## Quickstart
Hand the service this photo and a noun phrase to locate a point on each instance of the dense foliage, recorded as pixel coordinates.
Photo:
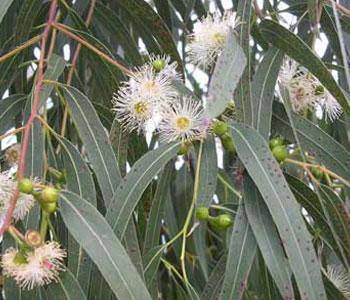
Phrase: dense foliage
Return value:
(175, 149)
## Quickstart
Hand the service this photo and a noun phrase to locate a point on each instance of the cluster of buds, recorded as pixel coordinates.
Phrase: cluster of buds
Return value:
(220, 222)
(220, 128)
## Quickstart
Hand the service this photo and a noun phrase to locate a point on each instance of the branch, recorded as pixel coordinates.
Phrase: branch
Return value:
(37, 90)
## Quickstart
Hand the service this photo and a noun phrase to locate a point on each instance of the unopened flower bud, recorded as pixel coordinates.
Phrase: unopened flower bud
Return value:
(219, 127)
(227, 143)
(280, 153)
(202, 213)
(158, 65)
(49, 207)
(49, 195)
(25, 186)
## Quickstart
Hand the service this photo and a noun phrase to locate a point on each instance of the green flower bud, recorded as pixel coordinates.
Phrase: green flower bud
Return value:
(49, 195)
(317, 172)
(277, 141)
(221, 222)
(202, 213)
(219, 127)
(280, 153)
(227, 143)
(25, 186)
(49, 207)
(158, 65)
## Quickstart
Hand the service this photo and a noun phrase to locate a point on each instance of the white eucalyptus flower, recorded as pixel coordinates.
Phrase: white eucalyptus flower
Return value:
(24, 202)
(208, 38)
(183, 121)
(143, 96)
(340, 279)
(37, 267)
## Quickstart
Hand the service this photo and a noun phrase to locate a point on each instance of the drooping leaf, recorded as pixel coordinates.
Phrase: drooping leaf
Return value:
(228, 70)
(91, 230)
(240, 257)
(268, 177)
(134, 184)
(267, 238)
(95, 140)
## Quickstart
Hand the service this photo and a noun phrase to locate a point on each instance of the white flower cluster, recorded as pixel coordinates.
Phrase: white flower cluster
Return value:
(150, 94)
(306, 91)
(37, 267)
(24, 202)
(209, 37)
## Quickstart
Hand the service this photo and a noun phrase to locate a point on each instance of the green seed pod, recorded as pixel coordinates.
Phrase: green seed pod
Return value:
(25, 186)
(227, 143)
(317, 172)
(280, 153)
(277, 141)
(158, 65)
(219, 127)
(49, 195)
(49, 207)
(202, 213)
(224, 221)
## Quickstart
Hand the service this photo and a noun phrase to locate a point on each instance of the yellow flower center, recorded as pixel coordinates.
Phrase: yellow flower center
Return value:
(219, 38)
(141, 108)
(183, 123)
(151, 86)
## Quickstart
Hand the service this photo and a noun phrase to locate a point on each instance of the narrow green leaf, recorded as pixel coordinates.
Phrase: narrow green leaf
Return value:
(294, 46)
(263, 88)
(67, 288)
(91, 230)
(152, 235)
(208, 173)
(267, 238)
(4, 6)
(95, 140)
(228, 70)
(268, 177)
(243, 94)
(211, 290)
(134, 184)
(10, 107)
(241, 253)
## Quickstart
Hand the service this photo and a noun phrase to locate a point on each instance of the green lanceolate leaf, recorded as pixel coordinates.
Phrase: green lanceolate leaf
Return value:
(228, 70)
(78, 180)
(240, 257)
(134, 184)
(211, 290)
(94, 234)
(10, 107)
(67, 288)
(152, 235)
(255, 154)
(267, 238)
(263, 88)
(243, 94)
(292, 45)
(4, 6)
(95, 141)
(326, 150)
(208, 173)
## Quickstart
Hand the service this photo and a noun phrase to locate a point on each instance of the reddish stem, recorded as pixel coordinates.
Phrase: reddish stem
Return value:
(37, 90)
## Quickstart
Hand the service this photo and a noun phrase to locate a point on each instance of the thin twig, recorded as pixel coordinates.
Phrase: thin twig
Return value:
(25, 45)
(63, 29)
(37, 90)
(12, 132)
